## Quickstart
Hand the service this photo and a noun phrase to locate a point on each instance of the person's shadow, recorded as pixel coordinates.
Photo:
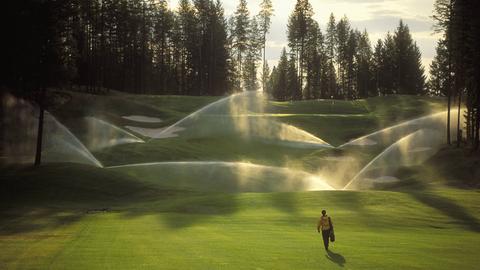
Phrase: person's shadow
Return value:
(336, 258)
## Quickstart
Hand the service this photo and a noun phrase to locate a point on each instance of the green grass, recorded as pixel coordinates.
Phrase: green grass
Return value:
(67, 216)
(54, 225)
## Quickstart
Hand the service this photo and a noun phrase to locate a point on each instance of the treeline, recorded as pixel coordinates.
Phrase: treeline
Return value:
(138, 46)
(143, 46)
(341, 63)
(455, 70)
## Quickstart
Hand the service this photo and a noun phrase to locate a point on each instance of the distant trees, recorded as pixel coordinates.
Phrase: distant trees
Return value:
(341, 62)
(143, 46)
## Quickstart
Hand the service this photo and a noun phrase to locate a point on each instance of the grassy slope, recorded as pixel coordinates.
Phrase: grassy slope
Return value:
(341, 121)
(336, 122)
(113, 107)
(149, 227)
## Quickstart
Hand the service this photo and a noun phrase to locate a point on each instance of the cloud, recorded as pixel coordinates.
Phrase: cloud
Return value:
(384, 23)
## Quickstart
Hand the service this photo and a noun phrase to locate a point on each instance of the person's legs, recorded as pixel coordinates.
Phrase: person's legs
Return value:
(325, 236)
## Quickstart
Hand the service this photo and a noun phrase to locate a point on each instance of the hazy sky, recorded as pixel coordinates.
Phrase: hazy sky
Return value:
(377, 16)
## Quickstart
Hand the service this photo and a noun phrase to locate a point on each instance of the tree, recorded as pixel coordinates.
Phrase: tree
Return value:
(280, 78)
(378, 67)
(313, 65)
(343, 31)
(299, 23)
(187, 45)
(388, 72)
(294, 89)
(266, 78)
(351, 65)
(264, 20)
(439, 72)
(240, 33)
(330, 49)
(364, 66)
(409, 78)
(442, 17)
(253, 54)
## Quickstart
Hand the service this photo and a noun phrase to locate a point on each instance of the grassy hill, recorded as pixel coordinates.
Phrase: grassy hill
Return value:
(71, 216)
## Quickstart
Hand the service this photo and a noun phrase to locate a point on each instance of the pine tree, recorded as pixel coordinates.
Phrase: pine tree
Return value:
(389, 78)
(162, 36)
(294, 89)
(364, 66)
(378, 68)
(313, 48)
(280, 78)
(264, 21)
(409, 78)
(351, 65)
(443, 10)
(266, 78)
(343, 31)
(270, 83)
(240, 33)
(438, 82)
(298, 26)
(253, 54)
(330, 49)
(187, 31)
(219, 56)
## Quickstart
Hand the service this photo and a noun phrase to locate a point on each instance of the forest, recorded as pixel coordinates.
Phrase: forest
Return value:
(146, 47)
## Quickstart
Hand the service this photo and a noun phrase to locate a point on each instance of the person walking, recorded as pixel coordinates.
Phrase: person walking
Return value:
(325, 225)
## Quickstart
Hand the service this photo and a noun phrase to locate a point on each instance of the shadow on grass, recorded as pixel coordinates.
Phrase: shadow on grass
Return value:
(336, 258)
(448, 208)
(51, 196)
(423, 194)
(286, 202)
(54, 195)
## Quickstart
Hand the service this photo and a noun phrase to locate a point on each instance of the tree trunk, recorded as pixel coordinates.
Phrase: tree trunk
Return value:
(477, 122)
(263, 70)
(449, 104)
(459, 129)
(38, 153)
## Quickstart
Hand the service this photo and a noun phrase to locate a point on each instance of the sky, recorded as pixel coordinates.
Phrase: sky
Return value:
(377, 16)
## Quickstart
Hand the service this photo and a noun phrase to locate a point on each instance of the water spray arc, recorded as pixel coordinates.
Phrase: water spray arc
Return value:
(192, 115)
(102, 134)
(60, 145)
(242, 115)
(21, 127)
(412, 149)
(226, 176)
(393, 133)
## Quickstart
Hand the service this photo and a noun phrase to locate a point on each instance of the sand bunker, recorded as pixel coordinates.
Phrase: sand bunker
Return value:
(156, 133)
(143, 119)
